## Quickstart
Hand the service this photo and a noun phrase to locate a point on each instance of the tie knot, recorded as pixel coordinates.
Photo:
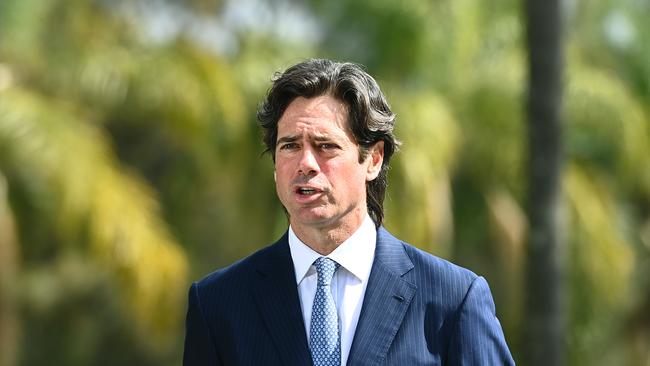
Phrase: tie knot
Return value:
(325, 269)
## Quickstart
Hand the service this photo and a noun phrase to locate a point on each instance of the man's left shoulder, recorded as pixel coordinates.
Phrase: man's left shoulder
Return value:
(454, 304)
(434, 275)
(425, 261)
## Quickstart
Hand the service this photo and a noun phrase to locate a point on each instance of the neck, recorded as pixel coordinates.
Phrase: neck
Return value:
(324, 240)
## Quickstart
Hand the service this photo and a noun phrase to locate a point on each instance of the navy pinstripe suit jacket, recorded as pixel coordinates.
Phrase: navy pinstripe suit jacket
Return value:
(418, 310)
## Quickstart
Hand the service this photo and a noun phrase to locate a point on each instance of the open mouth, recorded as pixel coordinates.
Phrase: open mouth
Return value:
(307, 191)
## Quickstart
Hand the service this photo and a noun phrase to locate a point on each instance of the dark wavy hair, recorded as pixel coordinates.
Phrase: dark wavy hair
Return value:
(370, 117)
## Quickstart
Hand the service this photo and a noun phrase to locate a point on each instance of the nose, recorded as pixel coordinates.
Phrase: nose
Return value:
(308, 164)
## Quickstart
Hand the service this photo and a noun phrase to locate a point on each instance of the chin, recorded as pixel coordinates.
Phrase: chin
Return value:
(311, 219)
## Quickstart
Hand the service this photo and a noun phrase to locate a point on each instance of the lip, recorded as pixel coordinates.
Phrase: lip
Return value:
(301, 198)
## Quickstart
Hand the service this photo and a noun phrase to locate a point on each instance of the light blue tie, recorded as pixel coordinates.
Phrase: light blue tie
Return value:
(324, 337)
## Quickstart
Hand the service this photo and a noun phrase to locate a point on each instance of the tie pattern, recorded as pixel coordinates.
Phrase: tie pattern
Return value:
(324, 337)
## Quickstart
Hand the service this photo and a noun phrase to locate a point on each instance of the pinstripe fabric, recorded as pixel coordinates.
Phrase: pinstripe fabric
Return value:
(418, 310)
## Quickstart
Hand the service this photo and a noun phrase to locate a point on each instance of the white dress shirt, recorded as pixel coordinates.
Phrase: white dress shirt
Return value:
(355, 255)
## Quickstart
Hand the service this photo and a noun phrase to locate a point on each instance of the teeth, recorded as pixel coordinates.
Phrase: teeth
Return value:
(307, 191)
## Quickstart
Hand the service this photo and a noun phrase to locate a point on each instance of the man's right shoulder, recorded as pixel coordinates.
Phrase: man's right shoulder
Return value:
(240, 271)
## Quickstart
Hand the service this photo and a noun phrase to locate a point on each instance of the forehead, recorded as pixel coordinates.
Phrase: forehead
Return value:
(318, 115)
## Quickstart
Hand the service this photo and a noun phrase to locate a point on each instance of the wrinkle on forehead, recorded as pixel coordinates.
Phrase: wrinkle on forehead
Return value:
(326, 101)
(310, 116)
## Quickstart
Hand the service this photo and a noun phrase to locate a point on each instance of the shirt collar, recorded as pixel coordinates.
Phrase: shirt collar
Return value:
(355, 254)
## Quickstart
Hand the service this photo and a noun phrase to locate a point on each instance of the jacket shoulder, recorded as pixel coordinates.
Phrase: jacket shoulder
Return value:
(429, 262)
(438, 279)
(400, 254)
(239, 273)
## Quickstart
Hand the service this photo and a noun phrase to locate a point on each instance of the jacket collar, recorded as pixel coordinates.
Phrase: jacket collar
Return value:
(386, 300)
(276, 296)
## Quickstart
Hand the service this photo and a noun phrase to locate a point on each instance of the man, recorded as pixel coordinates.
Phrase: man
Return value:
(337, 288)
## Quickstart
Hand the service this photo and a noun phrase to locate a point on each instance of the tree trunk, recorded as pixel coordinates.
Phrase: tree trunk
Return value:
(8, 277)
(545, 306)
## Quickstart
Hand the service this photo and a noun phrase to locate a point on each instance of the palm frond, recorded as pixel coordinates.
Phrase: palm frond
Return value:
(95, 203)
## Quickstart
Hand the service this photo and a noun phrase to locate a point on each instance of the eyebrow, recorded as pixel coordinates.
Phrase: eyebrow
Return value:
(290, 138)
(293, 138)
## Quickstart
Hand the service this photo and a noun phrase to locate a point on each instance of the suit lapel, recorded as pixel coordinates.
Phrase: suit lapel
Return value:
(276, 296)
(387, 298)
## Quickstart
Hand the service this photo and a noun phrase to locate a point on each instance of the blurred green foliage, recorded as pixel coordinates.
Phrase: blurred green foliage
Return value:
(130, 159)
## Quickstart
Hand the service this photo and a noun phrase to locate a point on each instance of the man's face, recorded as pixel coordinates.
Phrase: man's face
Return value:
(319, 178)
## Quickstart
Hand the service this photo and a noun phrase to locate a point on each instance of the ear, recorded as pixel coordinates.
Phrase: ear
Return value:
(275, 177)
(374, 160)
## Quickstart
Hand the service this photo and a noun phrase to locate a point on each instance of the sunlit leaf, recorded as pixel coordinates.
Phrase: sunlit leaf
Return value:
(86, 188)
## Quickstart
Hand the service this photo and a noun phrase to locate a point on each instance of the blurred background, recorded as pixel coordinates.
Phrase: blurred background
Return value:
(130, 160)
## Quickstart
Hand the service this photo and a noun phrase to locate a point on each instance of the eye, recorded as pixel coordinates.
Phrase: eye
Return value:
(328, 146)
(288, 146)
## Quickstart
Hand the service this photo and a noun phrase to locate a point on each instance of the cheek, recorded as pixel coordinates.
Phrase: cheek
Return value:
(281, 168)
(280, 177)
(347, 176)
(281, 187)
